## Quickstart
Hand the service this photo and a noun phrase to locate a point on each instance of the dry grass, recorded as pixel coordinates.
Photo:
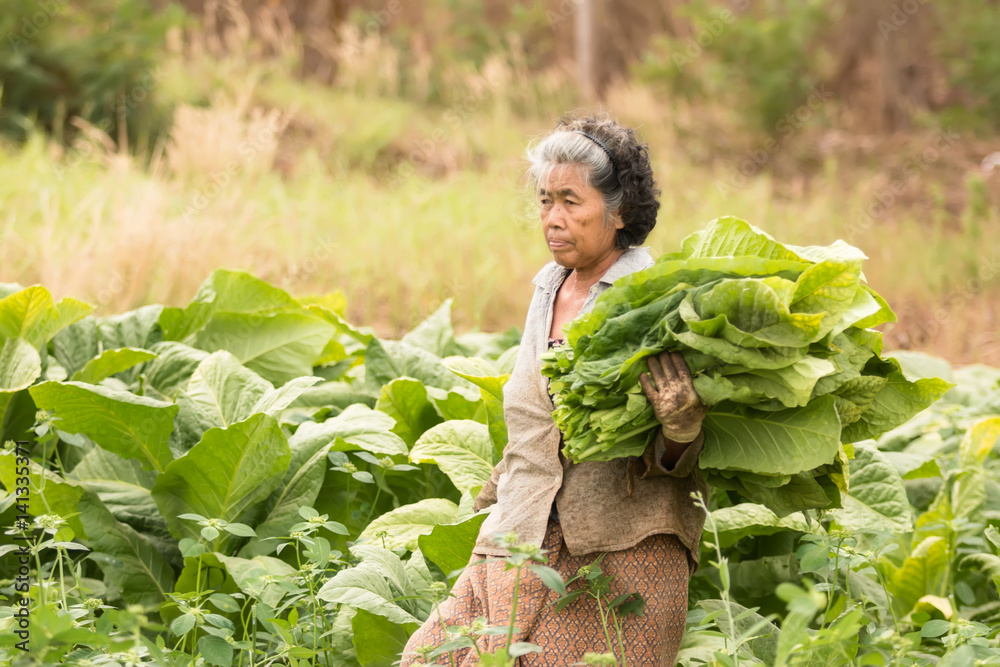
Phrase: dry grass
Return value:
(402, 205)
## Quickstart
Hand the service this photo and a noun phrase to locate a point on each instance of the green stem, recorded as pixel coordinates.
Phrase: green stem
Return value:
(833, 588)
(62, 578)
(604, 625)
(347, 505)
(513, 607)
(621, 640)
(378, 491)
(888, 597)
(38, 569)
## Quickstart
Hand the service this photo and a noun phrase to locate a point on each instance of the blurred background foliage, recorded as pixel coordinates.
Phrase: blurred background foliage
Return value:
(897, 60)
(144, 143)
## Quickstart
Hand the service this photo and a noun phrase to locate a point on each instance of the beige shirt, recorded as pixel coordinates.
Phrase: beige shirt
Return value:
(591, 498)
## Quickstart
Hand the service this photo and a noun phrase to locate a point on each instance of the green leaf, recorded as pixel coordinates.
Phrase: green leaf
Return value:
(458, 403)
(405, 400)
(110, 362)
(182, 625)
(300, 488)
(386, 360)
(913, 466)
(449, 546)
(240, 529)
(129, 560)
(125, 489)
(31, 314)
(934, 628)
(462, 449)
(751, 312)
(134, 427)
(225, 475)
(551, 578)
(979, 441)
(221, 392)
(134, 328)
(435, 334)
(729, 236)
(356, 428)
(261, 577)
(279, 346)
(771, 443)
(216, 651)
(173, 367)
(77, 344)
(224, 291)
(20, 366)
(897, 401)
(746, 519)
(404, 525)
(275, 400)
(924, 572)
(792, 385)
(827, 288)
(881, 316)
(48, 493)
(365, 587)
(764, 646)
(877, 499)
(490, 381)
(378, 641)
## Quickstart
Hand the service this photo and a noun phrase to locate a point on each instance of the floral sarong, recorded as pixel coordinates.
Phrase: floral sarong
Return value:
(656, 568)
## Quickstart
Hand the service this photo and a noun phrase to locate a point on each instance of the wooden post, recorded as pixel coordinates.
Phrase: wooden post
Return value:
(584, 42)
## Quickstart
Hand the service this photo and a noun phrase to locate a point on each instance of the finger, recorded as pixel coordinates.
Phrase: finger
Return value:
(656, 372)
(667, 362)
(683, 372)
(647, 385)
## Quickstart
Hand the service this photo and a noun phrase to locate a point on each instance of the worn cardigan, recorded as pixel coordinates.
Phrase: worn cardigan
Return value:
(594, 508)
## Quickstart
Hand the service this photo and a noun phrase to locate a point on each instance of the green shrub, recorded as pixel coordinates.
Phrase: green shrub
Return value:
(762, 59)
(969, 48)
(96, 60)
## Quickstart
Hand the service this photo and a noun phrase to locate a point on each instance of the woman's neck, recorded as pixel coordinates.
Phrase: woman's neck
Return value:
(581, 280)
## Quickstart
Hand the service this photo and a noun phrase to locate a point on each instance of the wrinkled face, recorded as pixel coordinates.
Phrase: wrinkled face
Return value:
(573, 219)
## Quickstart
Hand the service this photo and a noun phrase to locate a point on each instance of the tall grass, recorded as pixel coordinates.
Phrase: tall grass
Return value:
(401, 204)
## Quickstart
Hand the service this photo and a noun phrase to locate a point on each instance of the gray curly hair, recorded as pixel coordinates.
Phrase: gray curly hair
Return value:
(626, 185)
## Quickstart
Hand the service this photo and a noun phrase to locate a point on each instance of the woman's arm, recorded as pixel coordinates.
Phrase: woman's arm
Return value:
(666, 458)
(488, 494)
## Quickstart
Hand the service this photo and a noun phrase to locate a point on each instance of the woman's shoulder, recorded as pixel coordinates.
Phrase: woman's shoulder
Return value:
(634, 259)
(550, 275)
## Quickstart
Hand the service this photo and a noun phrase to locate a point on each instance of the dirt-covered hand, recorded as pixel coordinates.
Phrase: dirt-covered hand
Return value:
(671, 393)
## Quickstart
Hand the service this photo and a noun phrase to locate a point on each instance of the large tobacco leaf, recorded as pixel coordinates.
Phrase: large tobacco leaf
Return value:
(224, 476)
(134, 427)
(775, 337)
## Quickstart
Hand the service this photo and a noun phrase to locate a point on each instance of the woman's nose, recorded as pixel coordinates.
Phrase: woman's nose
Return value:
(554, 217)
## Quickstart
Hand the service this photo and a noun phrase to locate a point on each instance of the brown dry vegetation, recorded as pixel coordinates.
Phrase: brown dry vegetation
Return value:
(401, 203)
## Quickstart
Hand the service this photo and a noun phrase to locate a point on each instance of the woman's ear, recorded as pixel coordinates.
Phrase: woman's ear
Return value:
(618, 219)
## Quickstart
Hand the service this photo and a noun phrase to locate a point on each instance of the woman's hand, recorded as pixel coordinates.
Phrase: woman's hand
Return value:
(671, 393)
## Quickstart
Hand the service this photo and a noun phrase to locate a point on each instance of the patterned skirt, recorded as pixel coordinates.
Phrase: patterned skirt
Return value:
(656, 568)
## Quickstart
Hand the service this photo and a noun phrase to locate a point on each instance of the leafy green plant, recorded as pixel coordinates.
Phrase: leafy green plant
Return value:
(777, 338)
(196, 499)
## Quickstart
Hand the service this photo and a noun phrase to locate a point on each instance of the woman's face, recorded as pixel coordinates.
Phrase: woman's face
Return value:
(573, 219)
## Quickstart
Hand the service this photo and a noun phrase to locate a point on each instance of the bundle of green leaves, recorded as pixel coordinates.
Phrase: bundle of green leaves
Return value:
(779, 342)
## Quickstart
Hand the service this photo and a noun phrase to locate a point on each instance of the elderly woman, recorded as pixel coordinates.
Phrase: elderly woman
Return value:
(598, 202)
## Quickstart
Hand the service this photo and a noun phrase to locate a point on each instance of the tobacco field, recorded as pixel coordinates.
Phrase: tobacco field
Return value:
(254, 480)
